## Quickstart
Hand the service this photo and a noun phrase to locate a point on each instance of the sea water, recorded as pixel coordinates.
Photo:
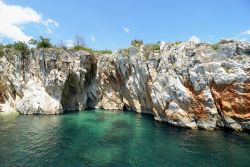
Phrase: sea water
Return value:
(115, 138)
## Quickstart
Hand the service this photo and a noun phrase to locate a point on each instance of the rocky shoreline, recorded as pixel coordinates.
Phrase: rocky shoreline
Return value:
(187, 84)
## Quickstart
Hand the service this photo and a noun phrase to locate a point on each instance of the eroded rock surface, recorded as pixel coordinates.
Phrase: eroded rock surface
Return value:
(48, 81)
(190, 84)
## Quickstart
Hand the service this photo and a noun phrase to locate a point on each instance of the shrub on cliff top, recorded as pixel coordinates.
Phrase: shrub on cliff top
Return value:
(62, 45)
(215, 46)
(42, 42)
(155, 47)
(21, 47)
(78, 47)
(178, 42)
(79, 41)
(106, 51)
(152, 47)
(222, 41)
(225, 41)
(1, 50)
(16, 46)
(136, 43)
(91, 51)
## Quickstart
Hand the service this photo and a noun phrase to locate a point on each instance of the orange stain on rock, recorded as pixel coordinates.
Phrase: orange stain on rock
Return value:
(197, 104)
(233, 99)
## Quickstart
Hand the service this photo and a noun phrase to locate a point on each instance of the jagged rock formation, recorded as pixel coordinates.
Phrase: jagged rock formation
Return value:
(189, 84)
(48, 81)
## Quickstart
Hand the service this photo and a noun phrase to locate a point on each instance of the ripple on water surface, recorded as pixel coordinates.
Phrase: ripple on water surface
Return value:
(104, 138)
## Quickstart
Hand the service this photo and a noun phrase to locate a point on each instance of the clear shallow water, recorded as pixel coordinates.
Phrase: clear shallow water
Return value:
(104, 138)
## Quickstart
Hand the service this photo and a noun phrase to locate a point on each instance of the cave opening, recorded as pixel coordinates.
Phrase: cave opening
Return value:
(79, 90)
(70, 99)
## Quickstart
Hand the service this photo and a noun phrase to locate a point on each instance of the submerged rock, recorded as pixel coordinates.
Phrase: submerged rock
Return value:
(189, 84)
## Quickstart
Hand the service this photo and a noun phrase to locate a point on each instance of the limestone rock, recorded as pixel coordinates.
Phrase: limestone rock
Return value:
(186, 84)
(37, 101)
(48, 81)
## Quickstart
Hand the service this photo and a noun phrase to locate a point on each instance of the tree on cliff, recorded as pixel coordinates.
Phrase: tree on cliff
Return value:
(21, 47)
(42, 42)
(79, 41)
(136, 43)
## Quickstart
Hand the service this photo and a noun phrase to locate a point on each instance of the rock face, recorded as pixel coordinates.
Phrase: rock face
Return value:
(48, 81)
(189, 84)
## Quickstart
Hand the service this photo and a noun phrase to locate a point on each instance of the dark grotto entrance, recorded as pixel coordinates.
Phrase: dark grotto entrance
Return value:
(79, 90)
(70, 93)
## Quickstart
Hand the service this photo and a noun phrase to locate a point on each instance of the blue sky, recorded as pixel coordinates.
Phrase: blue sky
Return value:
(113, 24)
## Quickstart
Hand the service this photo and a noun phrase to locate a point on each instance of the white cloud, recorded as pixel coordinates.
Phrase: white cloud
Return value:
(194, 39)
(245, 32)
(93, 38)
(125, 29)
(13, 17)
(50, 22)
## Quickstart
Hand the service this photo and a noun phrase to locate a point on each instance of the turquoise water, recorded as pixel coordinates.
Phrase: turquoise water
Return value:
(104, 138)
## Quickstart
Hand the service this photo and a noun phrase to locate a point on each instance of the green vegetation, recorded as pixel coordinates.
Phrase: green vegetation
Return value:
(228, 69)
(155, 47)
(1, 50)
(42, 42)
(136, 43)
(21, 47)
(78, 47)
(62, 45)
(79, 41)
(178, 42)
(225, 41)
(151, 47)
(79, 44)
(91, 51)
(106, 51)
(146, 55)
(126, 51)
(215, 46)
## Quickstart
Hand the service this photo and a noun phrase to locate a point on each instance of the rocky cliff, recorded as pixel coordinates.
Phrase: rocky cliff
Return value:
(187, 84)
